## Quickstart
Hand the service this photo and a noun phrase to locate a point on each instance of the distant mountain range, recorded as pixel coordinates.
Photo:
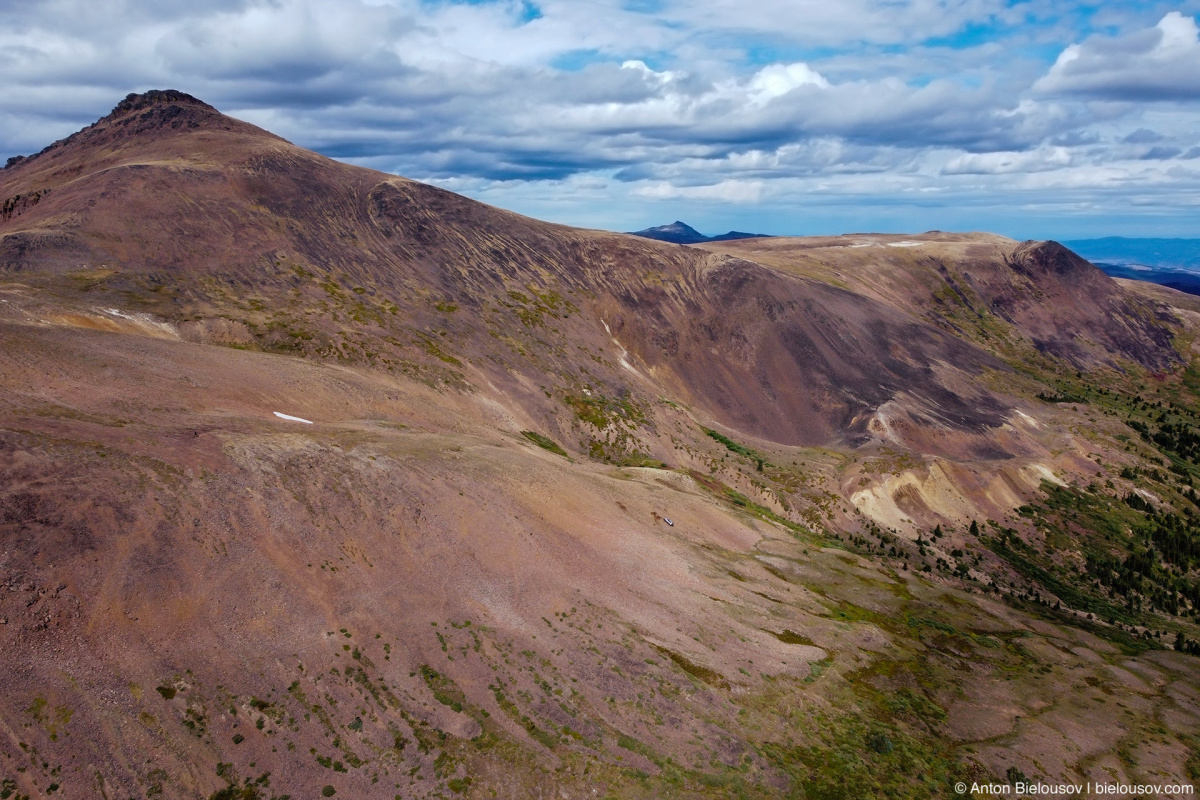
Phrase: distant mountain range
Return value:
(682, 233)
(1174, 263)
(1162, 253)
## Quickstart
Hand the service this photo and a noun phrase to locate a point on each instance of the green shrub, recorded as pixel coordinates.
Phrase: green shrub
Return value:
(880, 743)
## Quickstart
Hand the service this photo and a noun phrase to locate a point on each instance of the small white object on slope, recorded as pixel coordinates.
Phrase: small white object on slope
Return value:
(293, 419)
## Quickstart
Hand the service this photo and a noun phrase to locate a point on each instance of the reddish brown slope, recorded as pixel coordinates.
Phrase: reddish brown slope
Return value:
(1068, 307)
(989, 289)
(198, 593)
(196, 217)
(404, 598)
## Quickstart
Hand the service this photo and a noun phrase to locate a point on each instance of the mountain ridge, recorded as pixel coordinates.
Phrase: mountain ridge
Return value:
(275, 192)
(318, 480)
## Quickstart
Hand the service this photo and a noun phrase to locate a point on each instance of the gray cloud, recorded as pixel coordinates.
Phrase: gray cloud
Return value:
(1160, 153)
(1143, 136)
(1159, 63)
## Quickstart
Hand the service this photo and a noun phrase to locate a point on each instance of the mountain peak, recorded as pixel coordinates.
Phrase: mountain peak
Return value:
(155, 97)
(159, 110)
(680, 232)
(149, 114)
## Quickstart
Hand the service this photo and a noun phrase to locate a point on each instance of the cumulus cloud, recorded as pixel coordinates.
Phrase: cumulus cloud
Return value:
(1159, 63)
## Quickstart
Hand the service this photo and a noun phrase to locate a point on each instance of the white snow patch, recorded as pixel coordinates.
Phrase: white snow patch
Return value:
(1027, 418)
(293, 419)
(905, 243)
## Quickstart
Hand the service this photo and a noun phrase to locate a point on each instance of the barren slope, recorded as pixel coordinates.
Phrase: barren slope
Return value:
(206, 220)
(577, 514)
(993, 290)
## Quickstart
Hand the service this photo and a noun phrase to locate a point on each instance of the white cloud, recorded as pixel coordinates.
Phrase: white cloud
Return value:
(777, 80)
(1159, 63)
(729, 191)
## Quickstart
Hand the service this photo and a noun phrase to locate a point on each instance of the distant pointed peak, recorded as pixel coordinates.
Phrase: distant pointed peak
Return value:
(678, 226)
(680, 232)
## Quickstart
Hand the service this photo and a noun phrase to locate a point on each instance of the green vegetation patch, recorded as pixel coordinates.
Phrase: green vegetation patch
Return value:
(444, 690)
(1137, 561)
(434, 349)
(736, 447)
(533, 311)
(702, 674)
(1061, 397)
(601, 412)
(854, 758)
(249, 789)
(641, 460)
(544, 737)
(631, 744)
(790, 637)
(741, 501)
(545, 442)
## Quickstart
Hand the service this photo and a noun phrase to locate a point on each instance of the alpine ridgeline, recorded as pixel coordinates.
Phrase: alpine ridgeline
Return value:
(318, 480)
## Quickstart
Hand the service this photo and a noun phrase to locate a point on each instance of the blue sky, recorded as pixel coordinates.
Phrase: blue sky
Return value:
(1035, 119)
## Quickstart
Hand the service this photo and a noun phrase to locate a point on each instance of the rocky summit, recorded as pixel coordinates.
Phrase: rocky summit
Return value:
(318, 481)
